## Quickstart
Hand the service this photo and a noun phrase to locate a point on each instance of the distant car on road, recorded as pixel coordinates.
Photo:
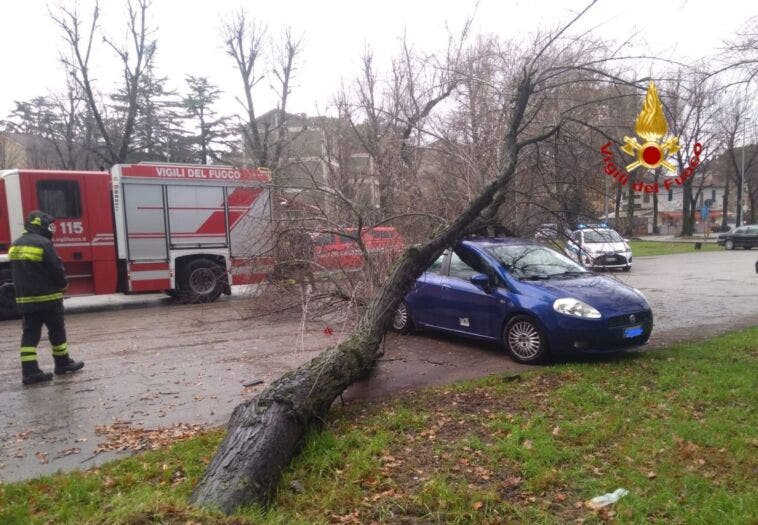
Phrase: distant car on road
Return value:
(530, 298)
(740, 237)
(598, 246)
(551, 232)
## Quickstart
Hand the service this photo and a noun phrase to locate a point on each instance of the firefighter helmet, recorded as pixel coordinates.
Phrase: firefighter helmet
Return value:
(40, 221)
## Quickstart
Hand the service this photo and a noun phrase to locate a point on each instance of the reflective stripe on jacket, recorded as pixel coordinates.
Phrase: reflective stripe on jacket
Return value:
(38, 274)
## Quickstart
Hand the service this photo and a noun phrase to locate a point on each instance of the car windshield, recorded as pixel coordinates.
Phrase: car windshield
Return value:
(534, 261)
(591, 236)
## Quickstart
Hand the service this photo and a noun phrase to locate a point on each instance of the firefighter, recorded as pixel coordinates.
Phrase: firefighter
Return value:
(39, 279)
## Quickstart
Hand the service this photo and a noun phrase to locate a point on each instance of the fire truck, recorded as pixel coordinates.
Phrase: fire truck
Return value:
(187, 230)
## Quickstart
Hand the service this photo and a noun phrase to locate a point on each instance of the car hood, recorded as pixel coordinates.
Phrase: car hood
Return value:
(604, 247)
(609, 296)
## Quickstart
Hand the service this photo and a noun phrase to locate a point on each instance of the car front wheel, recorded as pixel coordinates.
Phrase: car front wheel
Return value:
(402, 321)
(524, 340)
(729, 245)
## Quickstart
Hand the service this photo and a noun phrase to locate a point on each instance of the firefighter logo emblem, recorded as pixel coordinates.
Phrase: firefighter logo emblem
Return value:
(651, 126)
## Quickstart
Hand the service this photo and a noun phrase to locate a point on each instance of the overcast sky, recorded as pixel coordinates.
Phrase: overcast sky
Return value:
(337, 32)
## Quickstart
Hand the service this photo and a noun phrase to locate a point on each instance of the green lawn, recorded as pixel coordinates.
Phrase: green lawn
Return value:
(676, 427)
(642, 248)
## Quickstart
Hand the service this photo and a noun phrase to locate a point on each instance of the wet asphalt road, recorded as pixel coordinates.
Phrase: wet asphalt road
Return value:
(154, 364)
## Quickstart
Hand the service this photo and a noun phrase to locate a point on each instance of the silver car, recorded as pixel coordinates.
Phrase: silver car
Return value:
(599, 247)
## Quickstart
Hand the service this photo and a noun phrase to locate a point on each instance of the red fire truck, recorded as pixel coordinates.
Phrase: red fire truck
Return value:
(186, 230)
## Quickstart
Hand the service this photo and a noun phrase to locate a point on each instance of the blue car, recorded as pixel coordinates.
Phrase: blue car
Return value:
(531, 299)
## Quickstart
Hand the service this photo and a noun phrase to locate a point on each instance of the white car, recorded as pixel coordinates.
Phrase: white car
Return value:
(599, 247)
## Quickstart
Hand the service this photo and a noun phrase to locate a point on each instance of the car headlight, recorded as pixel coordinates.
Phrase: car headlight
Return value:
(575, 308)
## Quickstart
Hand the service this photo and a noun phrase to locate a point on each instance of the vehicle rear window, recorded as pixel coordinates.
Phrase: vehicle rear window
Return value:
(591, 236)
(60, 198)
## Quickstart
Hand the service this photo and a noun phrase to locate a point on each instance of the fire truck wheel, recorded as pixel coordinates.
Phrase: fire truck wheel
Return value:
(8, 308)
(201, 281)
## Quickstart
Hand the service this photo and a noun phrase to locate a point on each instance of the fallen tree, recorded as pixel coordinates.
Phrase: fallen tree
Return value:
(265, 432)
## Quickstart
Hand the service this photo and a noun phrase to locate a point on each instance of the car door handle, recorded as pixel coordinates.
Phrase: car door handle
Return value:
(445, 286)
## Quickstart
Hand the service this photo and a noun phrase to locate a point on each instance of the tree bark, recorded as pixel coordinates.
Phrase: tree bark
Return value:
(264, 433)
(725, 204)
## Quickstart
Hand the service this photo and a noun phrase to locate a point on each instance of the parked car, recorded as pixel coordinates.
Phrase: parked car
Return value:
(533, 300)
(740, 237)
(545, 232)
(339, 251)
(597, 246)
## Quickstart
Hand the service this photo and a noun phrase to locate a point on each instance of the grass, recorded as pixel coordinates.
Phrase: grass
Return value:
(642, 248)
(676, 427)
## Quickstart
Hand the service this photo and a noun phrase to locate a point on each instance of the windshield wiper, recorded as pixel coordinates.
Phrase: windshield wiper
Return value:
(535, 277)
(571, 273)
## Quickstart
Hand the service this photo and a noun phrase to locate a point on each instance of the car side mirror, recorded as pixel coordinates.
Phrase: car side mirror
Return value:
(480, 280)
(626, 240)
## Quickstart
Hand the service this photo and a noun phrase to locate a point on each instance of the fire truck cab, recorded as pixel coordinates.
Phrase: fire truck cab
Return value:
(186, 230)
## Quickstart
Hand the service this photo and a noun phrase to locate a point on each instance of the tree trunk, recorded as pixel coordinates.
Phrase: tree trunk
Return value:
(629, 229)
(656, 228)
(725, 204)
(687, 212)
(265, 432)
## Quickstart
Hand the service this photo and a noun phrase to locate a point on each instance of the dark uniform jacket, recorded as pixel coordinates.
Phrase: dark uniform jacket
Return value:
(38, 274)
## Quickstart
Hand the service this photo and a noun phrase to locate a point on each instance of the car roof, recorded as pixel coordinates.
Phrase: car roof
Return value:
(485, 242)
(593, 229)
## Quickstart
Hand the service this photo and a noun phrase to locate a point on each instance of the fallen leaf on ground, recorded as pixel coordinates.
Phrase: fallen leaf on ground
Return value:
(122, 436)
(67, 452)
(511, 482)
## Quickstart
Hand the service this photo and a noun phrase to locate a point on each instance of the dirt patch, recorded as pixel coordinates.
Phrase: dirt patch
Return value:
(455, 445)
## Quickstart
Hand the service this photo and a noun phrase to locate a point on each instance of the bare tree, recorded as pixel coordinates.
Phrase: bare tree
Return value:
(742, 159)
(245, 40)
(264, 433)
(135, 57)
(692, 110)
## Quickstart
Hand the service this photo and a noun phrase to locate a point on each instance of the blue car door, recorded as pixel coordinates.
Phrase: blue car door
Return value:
(426, 294)
(467, 308)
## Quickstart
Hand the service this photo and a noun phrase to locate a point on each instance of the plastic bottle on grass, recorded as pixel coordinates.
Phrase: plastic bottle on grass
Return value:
(598, 502)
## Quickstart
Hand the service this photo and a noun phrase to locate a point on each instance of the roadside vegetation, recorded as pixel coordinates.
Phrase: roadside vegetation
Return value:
(643, 248)
(675, 427)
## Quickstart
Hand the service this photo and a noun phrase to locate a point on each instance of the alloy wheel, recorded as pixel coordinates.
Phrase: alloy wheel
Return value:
(524, 340)
(400, 321)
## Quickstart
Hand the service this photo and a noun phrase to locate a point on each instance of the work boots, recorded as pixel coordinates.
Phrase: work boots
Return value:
(64, 364)
(31, 373)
